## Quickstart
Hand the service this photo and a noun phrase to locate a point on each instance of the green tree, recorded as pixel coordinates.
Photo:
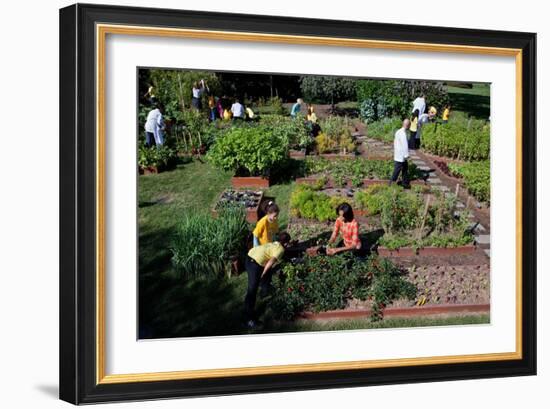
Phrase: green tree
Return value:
(173, 88)
(326, 89)
(382, 98)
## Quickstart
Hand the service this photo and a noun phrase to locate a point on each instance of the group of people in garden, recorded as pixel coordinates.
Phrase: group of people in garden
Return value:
(218, 107)
(269, 245)
(407, 138)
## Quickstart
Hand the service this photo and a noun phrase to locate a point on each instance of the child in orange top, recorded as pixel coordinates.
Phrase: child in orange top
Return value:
(267, 226)
(348, 226)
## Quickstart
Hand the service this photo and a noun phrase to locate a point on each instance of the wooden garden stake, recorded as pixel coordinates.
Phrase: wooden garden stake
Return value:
(456, 190)
(424, 214)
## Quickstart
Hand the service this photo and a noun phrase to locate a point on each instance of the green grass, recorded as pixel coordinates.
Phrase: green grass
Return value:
(354, 324)
(162, 200)
(474, 101)
(281, 193)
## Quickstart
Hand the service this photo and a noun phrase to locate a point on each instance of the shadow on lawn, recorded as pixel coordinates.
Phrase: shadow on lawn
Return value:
(196, 308)
(477, 106)
(172, 306)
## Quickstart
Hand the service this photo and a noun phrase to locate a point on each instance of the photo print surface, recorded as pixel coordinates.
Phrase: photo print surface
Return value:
(277, 203)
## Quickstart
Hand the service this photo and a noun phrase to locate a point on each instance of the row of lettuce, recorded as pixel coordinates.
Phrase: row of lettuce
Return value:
(205, 247)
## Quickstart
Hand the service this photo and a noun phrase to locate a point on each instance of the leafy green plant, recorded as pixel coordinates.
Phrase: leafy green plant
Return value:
(322, 283)
(248, 151)
(335, 135)
(307, 203)
(357, 168)
(203, 246)
(461, 138)
(384, 129)
(400, 211)
(292, 130)
(159, 156)
(477, 178)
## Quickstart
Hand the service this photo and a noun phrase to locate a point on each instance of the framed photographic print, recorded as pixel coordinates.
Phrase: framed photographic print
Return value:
(258, 203)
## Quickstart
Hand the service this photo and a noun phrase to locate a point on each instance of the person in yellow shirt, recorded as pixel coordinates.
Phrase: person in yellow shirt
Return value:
(446, 114)
(311, 116)
(267, 226)
(227, 115)
(260, 264)
(413, 129)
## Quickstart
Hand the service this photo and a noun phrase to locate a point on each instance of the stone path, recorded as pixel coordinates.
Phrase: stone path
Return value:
(481, 233)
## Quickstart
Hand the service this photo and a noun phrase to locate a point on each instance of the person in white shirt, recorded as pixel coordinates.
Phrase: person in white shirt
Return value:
(420, 104)
(401, 154)
(198, 90)
(154, 127)
(237, 109)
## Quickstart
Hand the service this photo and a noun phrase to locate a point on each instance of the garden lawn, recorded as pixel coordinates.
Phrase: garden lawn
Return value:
(474, 101)
(365, 323)
(162, 200)
(170, 307)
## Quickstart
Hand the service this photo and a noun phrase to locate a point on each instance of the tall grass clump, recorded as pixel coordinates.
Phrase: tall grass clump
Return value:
(204, 246)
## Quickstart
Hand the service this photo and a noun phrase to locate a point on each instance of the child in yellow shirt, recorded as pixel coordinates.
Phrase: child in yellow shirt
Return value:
(446, 113)
(267, 226)
(413, 129)
(261, 263)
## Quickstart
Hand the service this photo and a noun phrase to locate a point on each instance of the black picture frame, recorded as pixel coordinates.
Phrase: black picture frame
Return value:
(78, 257)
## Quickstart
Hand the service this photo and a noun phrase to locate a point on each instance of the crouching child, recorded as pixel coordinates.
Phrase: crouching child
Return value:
(260, 264)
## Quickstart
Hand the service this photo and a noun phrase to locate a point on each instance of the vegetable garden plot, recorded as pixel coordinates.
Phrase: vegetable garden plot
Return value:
(414, 219)
(357, 172)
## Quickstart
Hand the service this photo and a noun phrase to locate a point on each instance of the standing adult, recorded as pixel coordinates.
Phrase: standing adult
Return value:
(198, 90)
(237, 110)
(154, 127)
(401, 155)
(419, 104)
(212, 108)
(296, 108)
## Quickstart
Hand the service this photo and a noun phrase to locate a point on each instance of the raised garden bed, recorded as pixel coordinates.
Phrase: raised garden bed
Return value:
(250, 199)
(335, 156)
(330, 183)
(239, 182)
(425, 251)
(297, 154)
(417, 311)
